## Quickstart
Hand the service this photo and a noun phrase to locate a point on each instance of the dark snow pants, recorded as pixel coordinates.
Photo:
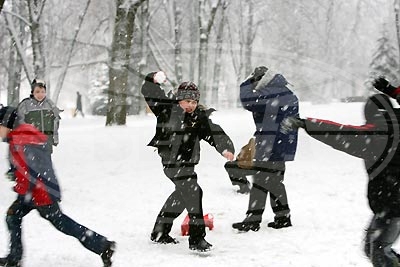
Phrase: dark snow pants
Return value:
(89, 239)
(267, 178)
(187, 195)
(381, 234)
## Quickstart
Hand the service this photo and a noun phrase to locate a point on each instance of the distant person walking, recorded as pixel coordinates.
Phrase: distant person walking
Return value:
(78, 105)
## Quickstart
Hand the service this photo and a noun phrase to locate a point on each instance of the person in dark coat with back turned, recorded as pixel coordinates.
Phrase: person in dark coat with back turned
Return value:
(37, 188)
(377, 143)
(266, 95)
(78, 105)
(181, 124)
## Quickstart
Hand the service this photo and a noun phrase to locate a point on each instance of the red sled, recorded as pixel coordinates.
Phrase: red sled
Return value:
(208, 221)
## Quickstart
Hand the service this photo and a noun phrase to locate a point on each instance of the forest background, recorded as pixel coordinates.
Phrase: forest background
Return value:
(329, 50)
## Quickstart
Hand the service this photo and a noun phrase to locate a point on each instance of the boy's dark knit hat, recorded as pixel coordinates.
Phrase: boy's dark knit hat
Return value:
(188, 90)
(8, 116)
(37, 83)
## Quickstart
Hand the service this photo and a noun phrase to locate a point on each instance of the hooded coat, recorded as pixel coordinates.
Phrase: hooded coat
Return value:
(36, 182)
(178, 133)
(271, 101)
(377, 143)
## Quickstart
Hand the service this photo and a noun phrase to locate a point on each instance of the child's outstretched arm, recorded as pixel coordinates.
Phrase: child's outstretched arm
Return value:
(153, 93)
(214, 135)
(353, 140)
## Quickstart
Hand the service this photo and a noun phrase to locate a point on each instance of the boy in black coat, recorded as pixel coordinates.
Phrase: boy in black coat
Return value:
(377, 143)
(181, 124)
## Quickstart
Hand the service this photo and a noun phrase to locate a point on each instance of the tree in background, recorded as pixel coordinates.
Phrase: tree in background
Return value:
(319, 45)
(396, 8)
(206, 17)
(69, 54)
(218, 54)
(1, 4)
(98, 92)
(15, 63)
(119, 61)
(385, 61)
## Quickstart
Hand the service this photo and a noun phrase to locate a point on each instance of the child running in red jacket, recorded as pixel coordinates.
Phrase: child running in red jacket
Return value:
(37, 188)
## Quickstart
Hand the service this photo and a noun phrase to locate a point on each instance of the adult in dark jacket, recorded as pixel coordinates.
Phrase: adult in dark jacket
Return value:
(37, 188)
(181, 124)
(78, 105)
(377, 143)
(266, 95)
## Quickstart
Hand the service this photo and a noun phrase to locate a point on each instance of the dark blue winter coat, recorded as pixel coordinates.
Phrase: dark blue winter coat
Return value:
(271, 101)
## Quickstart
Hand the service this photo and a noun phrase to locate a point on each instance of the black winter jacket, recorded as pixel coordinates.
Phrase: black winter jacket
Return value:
(377, 143)
(178, 133)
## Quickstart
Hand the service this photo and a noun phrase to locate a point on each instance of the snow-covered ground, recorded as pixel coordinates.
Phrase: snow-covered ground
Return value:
(113, 183)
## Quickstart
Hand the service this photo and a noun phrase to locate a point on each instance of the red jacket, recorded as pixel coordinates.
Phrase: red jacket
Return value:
(35, 178)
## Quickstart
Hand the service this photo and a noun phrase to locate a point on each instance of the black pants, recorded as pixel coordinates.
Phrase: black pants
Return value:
(381, 234)
(267, 178)
(187, 195)
(89, 239)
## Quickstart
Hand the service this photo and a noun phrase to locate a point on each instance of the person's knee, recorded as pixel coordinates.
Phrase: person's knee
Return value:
(12, 219)
(50, 212)
(367, 249)
(381, 254)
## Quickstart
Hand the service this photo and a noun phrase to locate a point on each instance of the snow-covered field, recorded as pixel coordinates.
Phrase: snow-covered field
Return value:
(113, 183)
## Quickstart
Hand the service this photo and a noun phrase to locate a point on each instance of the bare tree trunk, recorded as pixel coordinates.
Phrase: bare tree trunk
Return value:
(177, 42)
(249, 38)
(1, 4)
(15, 61)
(64, 70)
(237, 54)
(18, 45)
(119, 63)
(14, 77)
(141, 58)
(397, 22)
(218, 56)
(193, 42)
(35, 9)
(204, 30)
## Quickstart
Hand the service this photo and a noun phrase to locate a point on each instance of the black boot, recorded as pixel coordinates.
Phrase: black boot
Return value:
(200, 245)
(160, 233)
(246, 226)
(396, 254)
(162, 238)
(9, 263)
(280, 222)
(108, 253)
(244, 188)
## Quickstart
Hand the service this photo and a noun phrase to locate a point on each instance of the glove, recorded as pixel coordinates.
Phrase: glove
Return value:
(259, 72)
(160, 77)
(10, 174)
(55, 140)
(381, 83)
(291, 123)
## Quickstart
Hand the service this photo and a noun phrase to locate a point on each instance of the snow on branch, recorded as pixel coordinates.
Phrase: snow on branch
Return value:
(18, 16)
